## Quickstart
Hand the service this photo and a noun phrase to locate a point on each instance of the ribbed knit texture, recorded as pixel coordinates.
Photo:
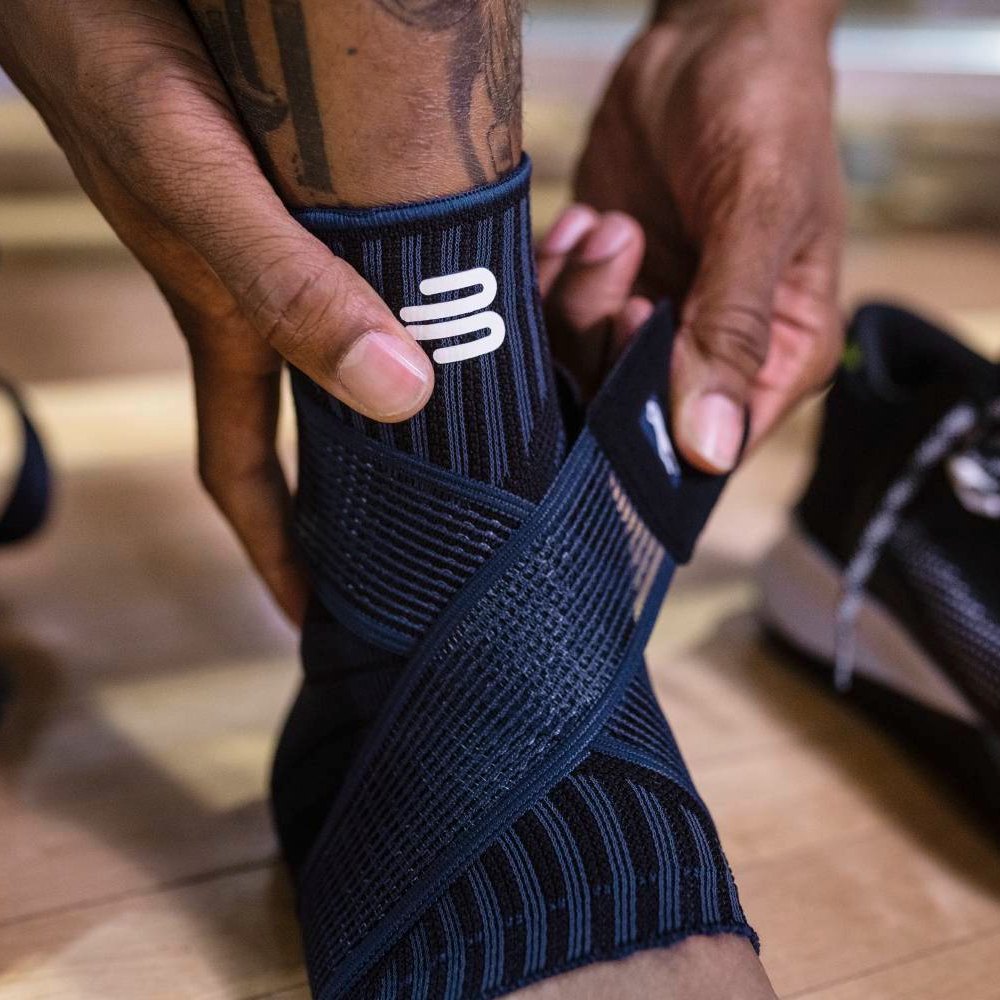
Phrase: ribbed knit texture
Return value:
(493, 418)
(616, 858)
(476, 788)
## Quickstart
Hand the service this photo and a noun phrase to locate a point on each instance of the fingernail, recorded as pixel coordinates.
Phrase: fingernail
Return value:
(565, 234)
(604, 242)
(712, 426)
(385, 376)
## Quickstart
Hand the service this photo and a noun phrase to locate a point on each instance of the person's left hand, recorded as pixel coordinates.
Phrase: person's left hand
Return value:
(716, 134)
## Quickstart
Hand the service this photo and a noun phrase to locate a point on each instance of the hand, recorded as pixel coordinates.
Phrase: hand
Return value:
(716, 134)
(130, 94)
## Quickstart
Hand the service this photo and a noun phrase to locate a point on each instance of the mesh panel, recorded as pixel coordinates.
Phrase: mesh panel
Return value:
(955, 616)
(544, 643)
(391, 538)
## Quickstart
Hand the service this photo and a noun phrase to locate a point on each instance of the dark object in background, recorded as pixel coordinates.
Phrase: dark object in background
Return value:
(25, 509)
(890, 575)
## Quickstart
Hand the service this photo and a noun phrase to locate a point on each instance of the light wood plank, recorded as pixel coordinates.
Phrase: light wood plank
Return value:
(97, 423)
(125, 759)
(136, 575)
(84, 318)
(54, 222)
(143, 783)
(862, 903)
(967, 971)
(229, 937)
(295, 993)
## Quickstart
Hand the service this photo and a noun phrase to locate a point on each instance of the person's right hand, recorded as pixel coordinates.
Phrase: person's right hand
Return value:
(716, 133)
(131, 95)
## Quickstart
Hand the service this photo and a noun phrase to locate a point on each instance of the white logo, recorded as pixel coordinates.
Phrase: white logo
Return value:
(661, 439)
(438, 320)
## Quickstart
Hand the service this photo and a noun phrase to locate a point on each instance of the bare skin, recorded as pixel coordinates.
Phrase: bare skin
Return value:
(716, 133)
(370, 102)
(699, 968)
(398, 100)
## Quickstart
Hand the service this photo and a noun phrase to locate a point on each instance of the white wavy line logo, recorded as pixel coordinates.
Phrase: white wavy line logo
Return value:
(661, 439)
(454, 318)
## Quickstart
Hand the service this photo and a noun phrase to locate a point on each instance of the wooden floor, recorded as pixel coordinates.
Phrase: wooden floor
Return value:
(148, 674)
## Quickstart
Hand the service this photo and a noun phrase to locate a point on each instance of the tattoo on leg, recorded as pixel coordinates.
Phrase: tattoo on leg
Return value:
(293, 48)
(228, 39)
(239, 34)
(465, 67)
(435, 15)
(487, 43)
(502, 69)
(227, 35)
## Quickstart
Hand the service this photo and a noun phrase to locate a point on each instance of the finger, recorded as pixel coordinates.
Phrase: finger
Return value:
(628, 322)
(597, 276)
(591, 290)
(240, 469)
(563, 237)
(807, 336)
(312, 308)
(723, 340)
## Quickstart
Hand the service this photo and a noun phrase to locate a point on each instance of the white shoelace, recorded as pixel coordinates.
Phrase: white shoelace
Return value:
(977, 485)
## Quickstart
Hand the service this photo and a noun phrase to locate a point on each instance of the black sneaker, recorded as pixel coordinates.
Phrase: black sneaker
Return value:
(23, 509)
(890, 575)
(25, 501)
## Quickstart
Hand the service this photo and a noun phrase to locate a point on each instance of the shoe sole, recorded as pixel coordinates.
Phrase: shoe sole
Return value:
(895, 682)
(801, 588)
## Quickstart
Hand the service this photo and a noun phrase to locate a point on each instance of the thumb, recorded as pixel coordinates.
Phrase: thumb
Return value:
(311, 307)
(322, 317)
(721, 346)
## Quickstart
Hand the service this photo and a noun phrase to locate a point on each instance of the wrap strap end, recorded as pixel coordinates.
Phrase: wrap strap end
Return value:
(632, 423)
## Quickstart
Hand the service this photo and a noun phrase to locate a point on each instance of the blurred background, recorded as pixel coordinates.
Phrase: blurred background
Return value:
(919, 101)
(143, 672)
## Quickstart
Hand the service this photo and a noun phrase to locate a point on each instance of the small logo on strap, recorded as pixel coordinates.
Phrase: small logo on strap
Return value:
(654, 426)
(456, 317)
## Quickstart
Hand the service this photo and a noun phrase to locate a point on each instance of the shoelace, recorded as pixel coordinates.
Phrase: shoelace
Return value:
(975, 474)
